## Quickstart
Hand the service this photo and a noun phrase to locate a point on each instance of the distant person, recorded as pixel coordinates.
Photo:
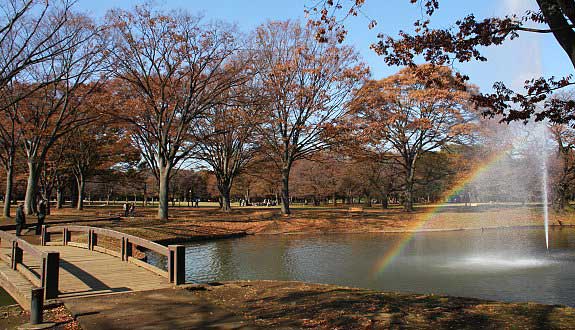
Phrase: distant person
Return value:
(125, 209)
(41, 216)
(20, 219)
(197, 202)
(132, 210)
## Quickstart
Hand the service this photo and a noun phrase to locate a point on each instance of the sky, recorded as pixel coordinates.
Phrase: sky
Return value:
(531, 55)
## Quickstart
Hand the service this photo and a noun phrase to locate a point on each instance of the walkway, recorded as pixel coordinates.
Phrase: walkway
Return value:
(158, 309)
(87, 273)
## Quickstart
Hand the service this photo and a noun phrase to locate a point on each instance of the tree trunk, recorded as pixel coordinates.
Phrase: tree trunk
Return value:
(31, 188)
(9, 186)
(145, 201)
(408, 202)
(59, 198)
(385, 201)
(48, 197)
(285, 191)
(367, 202)
(81, 185)
(163, 195)
(225, 195)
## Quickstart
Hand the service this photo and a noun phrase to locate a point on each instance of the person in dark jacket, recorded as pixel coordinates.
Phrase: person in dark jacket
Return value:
(41, 216)
(20, 219)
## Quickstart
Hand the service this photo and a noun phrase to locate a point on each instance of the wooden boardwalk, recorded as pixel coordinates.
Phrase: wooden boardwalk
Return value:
(88, 273)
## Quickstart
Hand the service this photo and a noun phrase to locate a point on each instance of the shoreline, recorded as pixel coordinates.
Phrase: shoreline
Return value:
(186, 240)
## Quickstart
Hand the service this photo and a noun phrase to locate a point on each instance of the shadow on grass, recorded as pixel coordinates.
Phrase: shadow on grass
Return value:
(294, 305)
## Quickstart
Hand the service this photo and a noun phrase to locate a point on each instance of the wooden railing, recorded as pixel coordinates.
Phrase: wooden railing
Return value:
(175, 254)
(48, 274)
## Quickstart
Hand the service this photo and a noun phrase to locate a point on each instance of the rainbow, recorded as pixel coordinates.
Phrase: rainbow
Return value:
(396, 249)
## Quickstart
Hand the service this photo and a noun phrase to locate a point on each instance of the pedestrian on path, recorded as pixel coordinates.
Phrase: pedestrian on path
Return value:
(41, 216)
(20, 219)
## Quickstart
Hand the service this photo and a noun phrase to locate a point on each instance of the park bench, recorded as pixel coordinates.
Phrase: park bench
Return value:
(355, 210)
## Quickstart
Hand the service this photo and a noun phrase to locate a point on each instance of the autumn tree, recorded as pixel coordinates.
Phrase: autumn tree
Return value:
(307, 84)
(465, 41)
(418, 110)
(55, 109)
(96, 146)
(227, 138)
(32, 34)
(564, 137)
(172, 68)
(318, 177)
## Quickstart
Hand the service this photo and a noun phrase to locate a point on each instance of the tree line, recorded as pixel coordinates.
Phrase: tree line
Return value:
(153, 92)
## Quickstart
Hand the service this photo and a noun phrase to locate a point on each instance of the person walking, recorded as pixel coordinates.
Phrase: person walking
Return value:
(126, 209)
(41, 216)
(20, 219)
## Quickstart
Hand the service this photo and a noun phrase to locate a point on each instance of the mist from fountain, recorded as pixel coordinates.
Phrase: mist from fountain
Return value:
(545, 199)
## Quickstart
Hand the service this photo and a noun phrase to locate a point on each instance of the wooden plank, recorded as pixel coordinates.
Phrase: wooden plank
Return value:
(108, 251)
(149, 267)
(16, 285)
(99, 273)
(79, 245)
(29, 274)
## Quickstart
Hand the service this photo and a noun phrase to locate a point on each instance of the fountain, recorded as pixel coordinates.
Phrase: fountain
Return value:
(545, 201)
(542, 135)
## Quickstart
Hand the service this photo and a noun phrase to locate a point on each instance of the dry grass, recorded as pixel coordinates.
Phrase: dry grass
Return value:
(276, 304)
(208, 222)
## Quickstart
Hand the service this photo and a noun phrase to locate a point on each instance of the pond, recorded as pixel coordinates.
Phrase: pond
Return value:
(503, 264)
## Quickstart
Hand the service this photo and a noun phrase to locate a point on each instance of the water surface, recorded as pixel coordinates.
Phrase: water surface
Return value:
(503, 264)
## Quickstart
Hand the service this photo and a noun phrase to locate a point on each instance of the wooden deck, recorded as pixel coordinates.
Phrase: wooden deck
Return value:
(88, 273)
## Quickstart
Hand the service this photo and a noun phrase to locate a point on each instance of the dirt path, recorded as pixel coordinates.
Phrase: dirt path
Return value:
(161, 309)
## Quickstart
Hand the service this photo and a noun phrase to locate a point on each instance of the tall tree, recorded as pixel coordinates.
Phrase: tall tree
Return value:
(172, 67)
(54, 110)
(307, 84)
(96, 146)
(227, 139)
(418, 110)
(30, 35)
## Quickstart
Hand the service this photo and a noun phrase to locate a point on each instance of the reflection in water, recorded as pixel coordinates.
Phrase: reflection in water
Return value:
(506, 264)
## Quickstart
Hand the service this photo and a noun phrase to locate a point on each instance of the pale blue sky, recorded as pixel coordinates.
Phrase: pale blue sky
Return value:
(531, 55)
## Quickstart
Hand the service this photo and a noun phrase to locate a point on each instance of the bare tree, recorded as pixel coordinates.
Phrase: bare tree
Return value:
(227, 138)
(172, 67)
(307, 84)
(55, 109)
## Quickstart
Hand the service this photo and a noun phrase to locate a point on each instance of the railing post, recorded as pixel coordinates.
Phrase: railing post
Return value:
(93, 240)
(44, 238)
(65, 236)
(17, 255)
(126, 249)
(36, 306)
(177, 264)
(123, 249)
(50, 274)
(90, 234)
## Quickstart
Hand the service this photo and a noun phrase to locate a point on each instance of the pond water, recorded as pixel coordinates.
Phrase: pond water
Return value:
(5, 298)
(503, 264)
